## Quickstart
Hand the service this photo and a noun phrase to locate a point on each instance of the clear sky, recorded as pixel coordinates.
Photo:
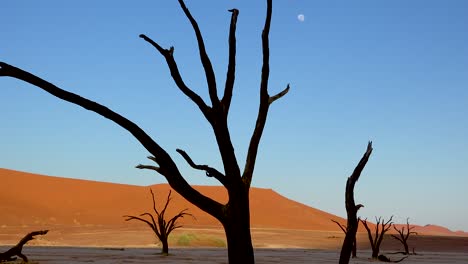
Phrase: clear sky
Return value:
(394, 72)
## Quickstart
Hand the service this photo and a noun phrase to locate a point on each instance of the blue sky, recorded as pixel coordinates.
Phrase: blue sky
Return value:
(394, 72)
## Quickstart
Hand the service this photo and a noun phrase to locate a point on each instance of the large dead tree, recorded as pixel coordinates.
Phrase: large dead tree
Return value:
(235, 214)
(403, 236)
(349, 242)
(10, 255)
(381, 227)
(161, 228)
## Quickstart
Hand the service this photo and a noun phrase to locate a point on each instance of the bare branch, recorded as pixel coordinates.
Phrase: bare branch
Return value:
(264, 102)
(168, 54)
(343, 228)
(148, 167)
(210, 172)
(154, 205)
(171, 224)
(10, 254)
(131, 217)
(230, 76)
(167, 166)
(168, 199)
(152, 158)
(209, 72)
(279, 95)
(362, 163)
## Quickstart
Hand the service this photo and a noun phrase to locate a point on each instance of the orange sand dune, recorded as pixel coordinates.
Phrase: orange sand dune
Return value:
(32, 199)
(35, 200)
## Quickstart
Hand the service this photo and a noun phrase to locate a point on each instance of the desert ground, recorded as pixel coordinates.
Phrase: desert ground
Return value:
(74, 255)
(85, 224)
(195, 245)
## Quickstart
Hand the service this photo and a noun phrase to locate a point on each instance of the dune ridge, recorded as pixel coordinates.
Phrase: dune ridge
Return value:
(40, 200)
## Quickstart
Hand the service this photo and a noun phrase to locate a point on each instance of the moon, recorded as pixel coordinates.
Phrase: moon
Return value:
(301, 17)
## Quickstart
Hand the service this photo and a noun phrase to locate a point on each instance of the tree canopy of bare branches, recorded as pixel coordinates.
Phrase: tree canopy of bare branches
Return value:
(403, 236)
(349, 243)
(381, 227)
(235, 214)
(160, 226)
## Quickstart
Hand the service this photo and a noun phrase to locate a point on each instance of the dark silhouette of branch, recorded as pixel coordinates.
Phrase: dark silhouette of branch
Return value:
(379, 234)
(383, 258)
(403, 237)
(277, 96)
(210, 172)
(230, 76)
(10, 254)
(349, 242)
(206, 62)
(161, 227)
(167, 167)
(168, 54)
(341, 226)
(265, 101)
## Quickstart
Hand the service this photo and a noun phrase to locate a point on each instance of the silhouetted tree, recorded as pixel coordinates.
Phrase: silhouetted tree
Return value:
(10, 254)
(403, 237)
(381, 227)
(235, 214)
(161, 228)
(349, 242)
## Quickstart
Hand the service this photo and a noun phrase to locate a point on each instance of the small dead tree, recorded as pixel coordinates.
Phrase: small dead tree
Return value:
(161, 228)
(10, 255)
(403, 237)
(349, 242)
(381, 227)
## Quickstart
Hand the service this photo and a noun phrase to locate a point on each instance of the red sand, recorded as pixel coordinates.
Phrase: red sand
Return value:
(35, 200)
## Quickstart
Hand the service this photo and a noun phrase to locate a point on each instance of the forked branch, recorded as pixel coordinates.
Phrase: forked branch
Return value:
(265, 101)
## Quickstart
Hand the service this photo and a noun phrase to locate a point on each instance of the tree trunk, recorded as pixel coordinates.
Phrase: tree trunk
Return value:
(349, 242)
(165, 247)
(354, 253)
(406, 248)
(375, 252)
(237, 228)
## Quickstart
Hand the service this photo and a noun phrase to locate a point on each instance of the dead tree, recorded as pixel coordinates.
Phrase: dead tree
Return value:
(235, 214)
(11, 254)
(403, 237)
(381, 227)
(349, 242)
(161, 228)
